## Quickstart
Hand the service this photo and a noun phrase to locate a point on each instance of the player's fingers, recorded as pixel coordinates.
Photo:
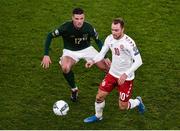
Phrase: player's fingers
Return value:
(109, 63)
(46, 65)
(50, 61)
(120, 82)
(89, 65)
(86, 65)
(43, 65)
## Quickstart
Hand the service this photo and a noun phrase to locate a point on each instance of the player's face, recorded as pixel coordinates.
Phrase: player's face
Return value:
(78, 20)
(117, 31)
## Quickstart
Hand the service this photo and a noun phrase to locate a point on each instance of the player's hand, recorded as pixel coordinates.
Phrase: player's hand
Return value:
(89, 63)
(122, 79)
(46, 61)
(107, 62)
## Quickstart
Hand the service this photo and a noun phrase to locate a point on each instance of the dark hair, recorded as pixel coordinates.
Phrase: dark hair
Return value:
(119, 21)
(78, 11)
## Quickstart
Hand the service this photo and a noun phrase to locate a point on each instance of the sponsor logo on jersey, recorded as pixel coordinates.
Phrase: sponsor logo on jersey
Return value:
(56, 32)
(96, 34)
(136, 51)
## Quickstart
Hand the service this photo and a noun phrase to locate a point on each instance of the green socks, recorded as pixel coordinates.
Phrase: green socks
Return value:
(70, 79)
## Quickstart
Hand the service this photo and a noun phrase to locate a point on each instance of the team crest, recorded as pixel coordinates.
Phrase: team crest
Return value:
(121, 46)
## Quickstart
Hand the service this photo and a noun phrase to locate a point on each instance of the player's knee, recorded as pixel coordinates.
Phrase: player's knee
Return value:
(122, 108)
(99, 99)
(101, 66)
(123, 105)
(65, 68)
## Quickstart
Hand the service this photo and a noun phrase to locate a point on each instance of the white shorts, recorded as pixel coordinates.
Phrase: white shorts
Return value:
(86, 54)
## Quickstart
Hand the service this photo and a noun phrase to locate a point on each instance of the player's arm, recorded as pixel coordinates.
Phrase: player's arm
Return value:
(49, 38)
(137, 61)
(99, 56)
(46, 61)
(94, 35)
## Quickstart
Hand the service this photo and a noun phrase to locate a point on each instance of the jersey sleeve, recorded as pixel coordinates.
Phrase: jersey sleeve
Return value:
(137, 61)
(59, 31)
(103, 52)
(94, 35)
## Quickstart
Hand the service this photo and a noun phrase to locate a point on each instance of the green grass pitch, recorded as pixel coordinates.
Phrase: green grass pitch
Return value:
(28, 92)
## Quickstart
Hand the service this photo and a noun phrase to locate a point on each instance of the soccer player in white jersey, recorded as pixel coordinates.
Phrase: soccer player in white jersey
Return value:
(126, 59)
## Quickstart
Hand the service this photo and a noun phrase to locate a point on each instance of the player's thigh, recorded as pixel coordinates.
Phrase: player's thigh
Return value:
(89, 53)
(123, 105)
(66, 60)
(68, 57)
(102, 65)
(106, 86)
(67, 63)
(125, 91)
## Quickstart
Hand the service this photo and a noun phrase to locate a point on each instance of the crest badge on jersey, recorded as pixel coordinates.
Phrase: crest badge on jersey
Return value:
(121, 46)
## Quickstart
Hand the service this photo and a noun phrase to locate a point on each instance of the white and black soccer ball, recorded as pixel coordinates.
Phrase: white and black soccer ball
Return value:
(60, 108)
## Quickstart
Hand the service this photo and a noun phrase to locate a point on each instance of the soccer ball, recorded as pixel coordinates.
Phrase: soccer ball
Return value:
(60, 108)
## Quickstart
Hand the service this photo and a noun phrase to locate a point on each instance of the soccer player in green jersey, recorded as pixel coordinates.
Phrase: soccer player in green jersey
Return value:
(76, 36)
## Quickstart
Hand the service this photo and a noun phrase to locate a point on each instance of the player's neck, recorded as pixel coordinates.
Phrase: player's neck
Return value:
(121, 36)
(77, 28)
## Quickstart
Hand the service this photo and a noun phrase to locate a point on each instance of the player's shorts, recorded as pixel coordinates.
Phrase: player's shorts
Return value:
(86, 54)
(125, 90)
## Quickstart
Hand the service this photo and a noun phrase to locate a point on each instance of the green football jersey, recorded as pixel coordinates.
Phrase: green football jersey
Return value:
(75, 39)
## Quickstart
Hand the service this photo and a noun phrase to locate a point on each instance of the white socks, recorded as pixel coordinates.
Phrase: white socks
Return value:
(100, 106)
(74, 89)
(133, 103)
(99, 109)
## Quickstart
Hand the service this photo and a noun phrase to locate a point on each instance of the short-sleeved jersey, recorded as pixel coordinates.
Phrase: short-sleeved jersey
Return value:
(124, 53)
(76, 39)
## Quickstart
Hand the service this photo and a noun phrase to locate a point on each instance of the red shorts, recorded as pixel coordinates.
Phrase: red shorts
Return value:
(125, 90)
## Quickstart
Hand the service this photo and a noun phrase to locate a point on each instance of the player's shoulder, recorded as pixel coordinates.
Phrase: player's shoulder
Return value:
(109, 38)
(128, 40)
(87, 24)
(66, 24)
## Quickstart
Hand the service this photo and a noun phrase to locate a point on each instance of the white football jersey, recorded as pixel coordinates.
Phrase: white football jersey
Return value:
(125, 56)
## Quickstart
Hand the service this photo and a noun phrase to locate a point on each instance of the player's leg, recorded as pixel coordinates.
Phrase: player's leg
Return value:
(125, 101)
(125, 91)
(105, 88)
(90, 53)
(66, 64)
(132, 103)
(100, 103)
(103, 66)
(99, 106)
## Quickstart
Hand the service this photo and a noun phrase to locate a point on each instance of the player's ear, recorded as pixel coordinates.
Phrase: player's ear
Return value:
(123, 29)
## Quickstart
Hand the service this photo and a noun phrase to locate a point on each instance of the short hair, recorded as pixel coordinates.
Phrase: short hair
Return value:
(78, 11)
(119, 21)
